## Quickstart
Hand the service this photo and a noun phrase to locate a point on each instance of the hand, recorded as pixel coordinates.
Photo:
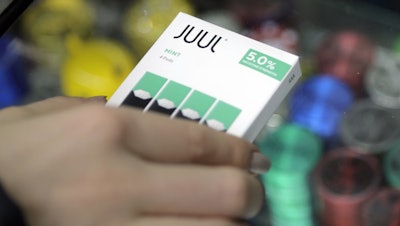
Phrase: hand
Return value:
(68, 161)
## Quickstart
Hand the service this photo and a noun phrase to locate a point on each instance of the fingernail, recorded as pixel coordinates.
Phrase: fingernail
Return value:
(259, 164)
(256, 198)
(99, 99)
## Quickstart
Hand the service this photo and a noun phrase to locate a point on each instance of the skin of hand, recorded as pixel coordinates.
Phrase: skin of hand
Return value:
(72, 161)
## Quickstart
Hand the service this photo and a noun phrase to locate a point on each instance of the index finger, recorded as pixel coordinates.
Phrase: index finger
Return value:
(49, 105)
(156, 137)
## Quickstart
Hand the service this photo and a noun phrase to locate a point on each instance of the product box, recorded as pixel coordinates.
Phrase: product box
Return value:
(204, 73)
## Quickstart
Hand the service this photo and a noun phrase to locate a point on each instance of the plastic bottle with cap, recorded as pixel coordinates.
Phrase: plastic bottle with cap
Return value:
(275, 34)
(383, 81)
(255, 12)
(47, 24)
(145, 21)
(319, 103)
(370, 127)
(293, 152)
(95, 67)
(346, 55)
(344, 181)
(392, 165)
(13, 78)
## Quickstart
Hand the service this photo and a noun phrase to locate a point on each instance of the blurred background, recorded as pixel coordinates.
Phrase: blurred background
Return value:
(335, 140)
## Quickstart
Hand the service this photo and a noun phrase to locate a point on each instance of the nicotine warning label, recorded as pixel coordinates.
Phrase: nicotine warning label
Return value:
(265, 64)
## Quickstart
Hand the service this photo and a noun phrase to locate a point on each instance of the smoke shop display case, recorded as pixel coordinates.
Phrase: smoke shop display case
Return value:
(334, 142)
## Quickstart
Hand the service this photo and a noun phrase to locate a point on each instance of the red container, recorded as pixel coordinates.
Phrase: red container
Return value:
(276, 35)
(345, 180)
(255, 12)
(346, 55)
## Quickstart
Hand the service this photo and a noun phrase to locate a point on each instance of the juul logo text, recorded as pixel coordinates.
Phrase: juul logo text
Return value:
(201, 38)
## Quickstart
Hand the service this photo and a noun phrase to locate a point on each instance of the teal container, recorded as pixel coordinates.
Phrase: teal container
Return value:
(291, 148)
(293, 151)
(392, 165)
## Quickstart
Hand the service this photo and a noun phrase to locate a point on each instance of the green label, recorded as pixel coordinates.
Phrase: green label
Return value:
(265, 64)
(198, 102)
(222, 114)
(156, 93)
(174, 92)
(150, 83)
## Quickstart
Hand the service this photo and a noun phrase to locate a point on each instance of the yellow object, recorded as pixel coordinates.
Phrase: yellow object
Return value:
(47, 23)
(95, 67)
(147, 19)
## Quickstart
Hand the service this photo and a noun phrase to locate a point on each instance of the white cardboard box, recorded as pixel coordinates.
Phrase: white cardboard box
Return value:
(202, 72)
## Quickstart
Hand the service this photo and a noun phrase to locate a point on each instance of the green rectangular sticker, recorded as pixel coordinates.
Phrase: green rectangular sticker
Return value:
(265, 64)
(170, 97)
(150, 83)
(222, 116)
(174, 92)
(196, 106)
(145, 90)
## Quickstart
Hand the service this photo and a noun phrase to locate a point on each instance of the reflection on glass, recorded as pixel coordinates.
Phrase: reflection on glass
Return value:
(4, 4)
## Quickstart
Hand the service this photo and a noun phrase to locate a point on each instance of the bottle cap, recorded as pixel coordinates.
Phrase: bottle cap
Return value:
(383, 79)
(346, 55)
(291, 148)
(95, 67)
(370, 127)
(147, 19)
(392, 165)
(13, 79)
(293, 152)
(344, 180)
(319, 103)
